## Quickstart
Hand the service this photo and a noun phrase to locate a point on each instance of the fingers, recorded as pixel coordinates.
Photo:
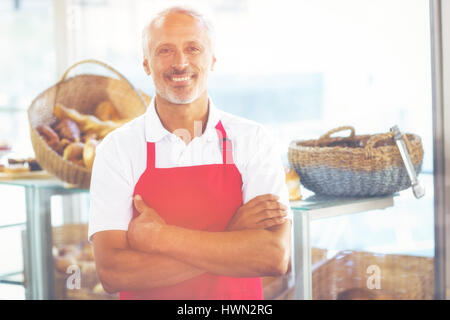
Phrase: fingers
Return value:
(272, 222)
(139, 204)
(270, 214)
(264, 197)
(269, 205)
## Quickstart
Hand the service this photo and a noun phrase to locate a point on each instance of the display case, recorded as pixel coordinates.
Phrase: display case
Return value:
(41, 239)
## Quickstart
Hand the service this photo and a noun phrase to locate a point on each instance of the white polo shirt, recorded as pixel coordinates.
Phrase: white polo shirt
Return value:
(121, 158)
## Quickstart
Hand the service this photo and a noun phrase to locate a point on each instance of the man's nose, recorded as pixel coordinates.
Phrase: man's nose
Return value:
(180, 61)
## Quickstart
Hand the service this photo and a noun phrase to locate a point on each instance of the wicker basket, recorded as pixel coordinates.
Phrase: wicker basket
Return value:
(354, 166)
(402, 277)
(83, 93)
(76, 234)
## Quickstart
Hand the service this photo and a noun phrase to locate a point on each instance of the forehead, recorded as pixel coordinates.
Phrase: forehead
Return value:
(177, 28)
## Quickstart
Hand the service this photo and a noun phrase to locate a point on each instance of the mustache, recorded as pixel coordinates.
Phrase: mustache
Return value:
(173, 72)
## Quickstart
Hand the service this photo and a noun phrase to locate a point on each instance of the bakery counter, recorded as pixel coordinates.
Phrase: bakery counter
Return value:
(38, 240)
(315, 207)
(38, 259)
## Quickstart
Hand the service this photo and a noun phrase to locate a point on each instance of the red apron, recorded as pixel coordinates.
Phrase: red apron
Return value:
(200, 198)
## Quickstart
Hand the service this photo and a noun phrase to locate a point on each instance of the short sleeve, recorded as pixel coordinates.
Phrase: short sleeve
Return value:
(264, 172)
(111, 190)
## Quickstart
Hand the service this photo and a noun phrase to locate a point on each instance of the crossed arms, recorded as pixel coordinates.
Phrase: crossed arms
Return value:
(152, 254)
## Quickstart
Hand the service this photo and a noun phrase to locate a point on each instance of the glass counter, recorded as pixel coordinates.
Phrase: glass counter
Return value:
(315, 207)
(38, 259)
(39, 270)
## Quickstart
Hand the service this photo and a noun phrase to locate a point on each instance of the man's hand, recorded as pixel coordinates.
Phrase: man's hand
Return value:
(144, 230)
(261, 212)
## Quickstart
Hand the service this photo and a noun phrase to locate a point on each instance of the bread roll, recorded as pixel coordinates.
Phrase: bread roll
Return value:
(89, 153)
(105, 111)
(68, 129)
(64, 262)
(49, 136)
(98, 289)
(293, 184)
(88, 124)
(74, 152)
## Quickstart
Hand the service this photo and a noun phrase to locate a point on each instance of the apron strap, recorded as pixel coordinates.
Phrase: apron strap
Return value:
(150, 155)
(227, 152)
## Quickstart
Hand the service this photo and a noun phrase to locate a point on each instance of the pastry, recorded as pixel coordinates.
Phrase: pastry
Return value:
(293, 184)
(64, 262)
(2, 167)
(74, 152)
(62, 145)
(87, 123)
(12, 161)
(68, 129)
(33, 164)
(105, 111)
(98, 289)
(16, 168)
(89, 136)
(356, 294)
(4, 146)
(89, 153)
(49, 135)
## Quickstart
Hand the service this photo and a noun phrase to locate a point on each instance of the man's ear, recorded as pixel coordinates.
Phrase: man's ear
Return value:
(146, 66)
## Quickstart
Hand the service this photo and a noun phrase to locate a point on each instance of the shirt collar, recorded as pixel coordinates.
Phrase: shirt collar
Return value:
(155, 131)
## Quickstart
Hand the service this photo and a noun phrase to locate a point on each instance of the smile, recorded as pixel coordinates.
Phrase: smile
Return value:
(178, 79)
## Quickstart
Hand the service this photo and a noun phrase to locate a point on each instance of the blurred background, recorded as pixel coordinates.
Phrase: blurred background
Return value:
(299, 67)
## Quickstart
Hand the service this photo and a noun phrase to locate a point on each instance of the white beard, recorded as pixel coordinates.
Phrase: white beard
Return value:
(166, 93)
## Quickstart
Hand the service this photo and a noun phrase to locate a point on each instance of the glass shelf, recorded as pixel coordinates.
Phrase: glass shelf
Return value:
(51, 183)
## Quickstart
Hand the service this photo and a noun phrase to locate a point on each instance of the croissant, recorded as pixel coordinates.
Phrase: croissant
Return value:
(87, 123)
(74, 152)
(68, 129)
(105, 111)
(89, 153)
(49, 135)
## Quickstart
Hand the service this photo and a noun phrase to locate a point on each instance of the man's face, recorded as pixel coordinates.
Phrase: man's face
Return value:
(180, 58)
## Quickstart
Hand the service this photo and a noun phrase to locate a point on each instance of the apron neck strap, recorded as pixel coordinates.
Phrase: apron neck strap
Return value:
(150, 155)
(227, 153)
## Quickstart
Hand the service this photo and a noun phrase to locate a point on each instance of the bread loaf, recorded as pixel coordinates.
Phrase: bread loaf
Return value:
(293, 184)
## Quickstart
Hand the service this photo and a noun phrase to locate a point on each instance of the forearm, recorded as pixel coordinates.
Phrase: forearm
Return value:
(134, 271)
(246, 253)
(121, 268)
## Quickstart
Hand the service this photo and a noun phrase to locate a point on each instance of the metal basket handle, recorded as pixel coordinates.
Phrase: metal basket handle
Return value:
(93, 61)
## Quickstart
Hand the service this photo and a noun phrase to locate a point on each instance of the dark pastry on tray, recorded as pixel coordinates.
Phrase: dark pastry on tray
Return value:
(33, 164)
(13, 161)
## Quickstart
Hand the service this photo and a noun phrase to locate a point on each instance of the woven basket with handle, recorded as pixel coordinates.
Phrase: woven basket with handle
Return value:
(81, 92)
(400, 277)
(354, 166)
(76, 234)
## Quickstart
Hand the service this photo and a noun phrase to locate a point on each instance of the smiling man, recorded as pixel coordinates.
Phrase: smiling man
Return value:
(187, 201)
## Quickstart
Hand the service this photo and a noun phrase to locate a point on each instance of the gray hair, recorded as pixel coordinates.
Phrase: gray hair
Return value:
(158, 18)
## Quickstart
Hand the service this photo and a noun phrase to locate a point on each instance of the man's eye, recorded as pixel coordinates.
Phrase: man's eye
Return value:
(163, 51)
(193, 49)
